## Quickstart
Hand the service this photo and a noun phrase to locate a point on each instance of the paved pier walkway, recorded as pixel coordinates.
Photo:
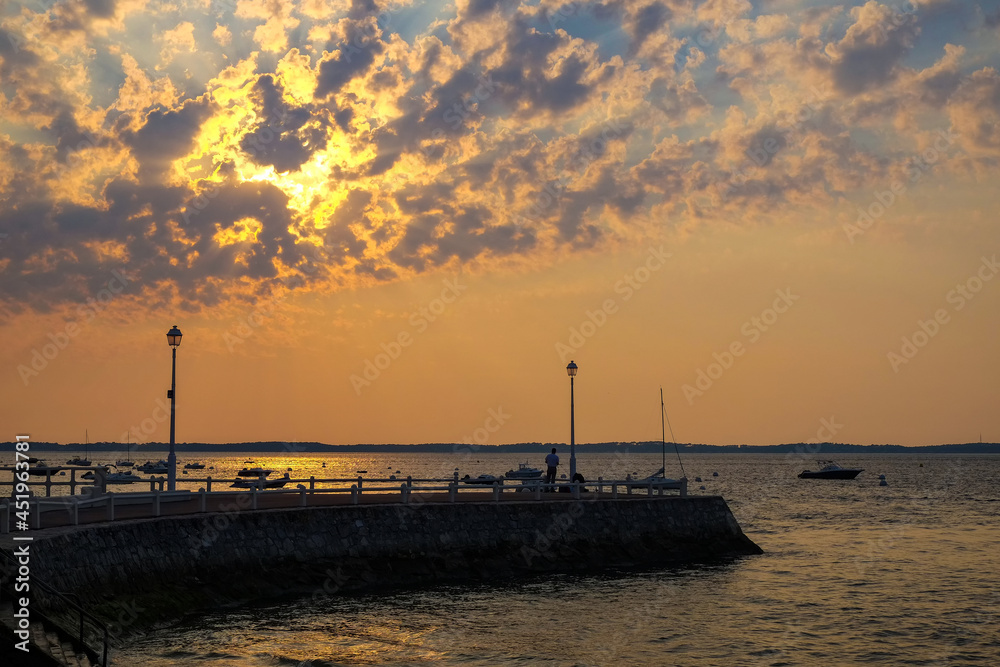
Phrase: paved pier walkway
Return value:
(243, 502)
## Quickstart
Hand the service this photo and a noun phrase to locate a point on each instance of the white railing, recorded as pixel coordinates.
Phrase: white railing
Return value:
(411, 490)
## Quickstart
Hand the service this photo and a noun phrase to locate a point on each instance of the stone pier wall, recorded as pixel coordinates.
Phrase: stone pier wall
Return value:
(161, 568)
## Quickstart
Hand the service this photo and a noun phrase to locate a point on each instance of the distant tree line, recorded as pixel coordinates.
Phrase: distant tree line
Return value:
(271, 447)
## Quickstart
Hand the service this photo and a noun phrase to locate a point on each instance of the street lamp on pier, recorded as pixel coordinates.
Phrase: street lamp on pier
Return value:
(571, 371)
(173, 340)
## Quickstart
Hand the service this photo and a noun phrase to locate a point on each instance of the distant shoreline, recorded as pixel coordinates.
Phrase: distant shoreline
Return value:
(811, 449)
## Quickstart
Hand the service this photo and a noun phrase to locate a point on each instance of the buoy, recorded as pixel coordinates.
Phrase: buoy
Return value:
(697, 479)
(715, 474)
(701, 488)
(881, 481)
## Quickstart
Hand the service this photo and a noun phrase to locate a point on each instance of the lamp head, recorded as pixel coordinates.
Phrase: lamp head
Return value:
(571, 369)
(174, 337)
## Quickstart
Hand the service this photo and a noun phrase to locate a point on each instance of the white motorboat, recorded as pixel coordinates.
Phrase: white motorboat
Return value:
(161, 467)
(524, 471)
(126, 477)
(831, 471)
(261, 483)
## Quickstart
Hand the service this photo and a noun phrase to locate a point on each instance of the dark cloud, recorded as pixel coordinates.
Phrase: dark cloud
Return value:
(870, 53)
(167, 135)
(938, 87)
(339, 240)
(438, 230)
(526, 79)
(101, 8)
(647, 21)
(280, 138)
(353, 57)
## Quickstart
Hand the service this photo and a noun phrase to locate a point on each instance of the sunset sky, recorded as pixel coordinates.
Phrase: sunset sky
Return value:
(398, 222)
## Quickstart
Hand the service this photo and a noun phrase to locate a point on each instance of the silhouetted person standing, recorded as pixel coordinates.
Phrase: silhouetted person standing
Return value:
(552, 461)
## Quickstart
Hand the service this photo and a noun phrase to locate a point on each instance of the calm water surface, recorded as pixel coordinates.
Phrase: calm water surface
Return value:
(853, 573)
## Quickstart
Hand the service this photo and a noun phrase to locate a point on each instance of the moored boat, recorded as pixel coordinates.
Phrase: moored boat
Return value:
(161, 467)
(831, 471)
(482, 479)
(524, 471)
(261, 483)
(254, 472)
(126, 477)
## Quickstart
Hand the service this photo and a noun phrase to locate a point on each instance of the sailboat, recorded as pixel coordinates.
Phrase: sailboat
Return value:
(76, 460)
(660, 476)
(128, 462)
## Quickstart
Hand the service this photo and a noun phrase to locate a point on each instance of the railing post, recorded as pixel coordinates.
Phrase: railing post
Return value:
(496, 492)
(72, 487)
(453, 490)
(684, 486)
(576, 490)
(405, 490)
(537, 490)
(614, 491)
(48, 483)
(202, 500)
(156, 502)
(600, 485)
(454, 477)
(409, 480)
(312, 484)
(650, 487)
(302, 497)
(208, 485)
(354, 494)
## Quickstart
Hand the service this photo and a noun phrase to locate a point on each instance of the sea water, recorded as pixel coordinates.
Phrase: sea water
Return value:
(852, 573)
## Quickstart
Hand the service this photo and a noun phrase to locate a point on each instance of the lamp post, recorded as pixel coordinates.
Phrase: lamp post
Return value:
(173, 340)
(571, 371)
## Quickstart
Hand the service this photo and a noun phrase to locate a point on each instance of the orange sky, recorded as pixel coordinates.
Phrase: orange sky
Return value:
(400, 223)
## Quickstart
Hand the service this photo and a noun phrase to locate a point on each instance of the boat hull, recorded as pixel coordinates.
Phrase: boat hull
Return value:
(846, 473)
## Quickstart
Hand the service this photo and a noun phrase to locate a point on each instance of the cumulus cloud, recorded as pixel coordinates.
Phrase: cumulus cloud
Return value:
(870, 53)
(324, 145)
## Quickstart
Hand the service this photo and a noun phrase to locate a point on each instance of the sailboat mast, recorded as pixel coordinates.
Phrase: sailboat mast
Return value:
(664, 417)
(663, 435)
